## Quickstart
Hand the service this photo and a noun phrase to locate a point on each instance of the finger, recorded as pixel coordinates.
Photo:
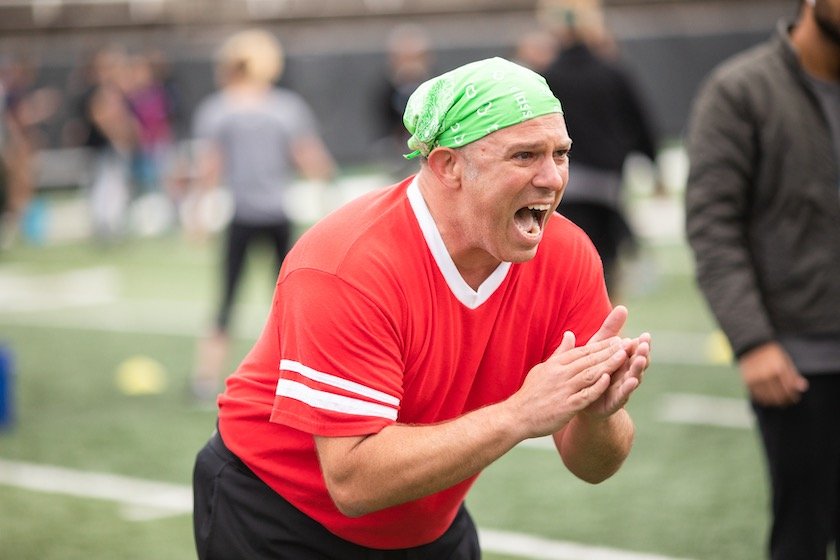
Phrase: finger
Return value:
(632, 344)
(591, 392)
(633, 369)
(642, 351)
(774, 394)
(569, 354)
(622, 394)
(605, 362)
(612, 325)
(795, 383)
(568, 342)
(638, 366)
(793, 386)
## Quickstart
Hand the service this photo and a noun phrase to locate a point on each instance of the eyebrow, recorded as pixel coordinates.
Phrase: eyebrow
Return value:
(535, 146)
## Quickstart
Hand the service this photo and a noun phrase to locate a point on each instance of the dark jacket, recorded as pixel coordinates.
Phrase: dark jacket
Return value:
(763, 200)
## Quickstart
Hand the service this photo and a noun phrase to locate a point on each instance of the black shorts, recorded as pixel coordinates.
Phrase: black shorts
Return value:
(237, 516)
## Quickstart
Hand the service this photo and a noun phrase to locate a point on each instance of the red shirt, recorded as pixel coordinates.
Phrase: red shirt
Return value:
(371, 325)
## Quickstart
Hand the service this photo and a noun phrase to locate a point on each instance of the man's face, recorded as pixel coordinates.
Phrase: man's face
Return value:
(513, 180)
(827, 16)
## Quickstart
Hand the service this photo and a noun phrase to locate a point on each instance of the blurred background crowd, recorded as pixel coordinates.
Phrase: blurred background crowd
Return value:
(82, 80)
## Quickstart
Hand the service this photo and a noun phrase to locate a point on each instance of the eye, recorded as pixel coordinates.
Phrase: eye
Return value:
(523, 156)
(561, 155)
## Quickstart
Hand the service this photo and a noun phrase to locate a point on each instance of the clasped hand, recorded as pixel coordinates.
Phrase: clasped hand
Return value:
(594, 380)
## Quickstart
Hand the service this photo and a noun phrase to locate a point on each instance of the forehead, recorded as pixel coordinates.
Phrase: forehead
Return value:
(546, 128)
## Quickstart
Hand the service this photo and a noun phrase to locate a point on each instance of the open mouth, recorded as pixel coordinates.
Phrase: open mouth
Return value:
(530, 219)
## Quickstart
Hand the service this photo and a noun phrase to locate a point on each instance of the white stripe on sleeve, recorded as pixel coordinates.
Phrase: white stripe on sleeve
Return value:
(333, 402)
(328, 379)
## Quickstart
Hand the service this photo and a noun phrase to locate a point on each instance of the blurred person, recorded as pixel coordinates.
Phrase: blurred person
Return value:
(253, 138)
(151, 105)
(418, 334)
(536, 49)
(410, 63)
(3, 172)
(25, 107)
(111, 133)
(164, 74)
(608, 120)
(763, 220)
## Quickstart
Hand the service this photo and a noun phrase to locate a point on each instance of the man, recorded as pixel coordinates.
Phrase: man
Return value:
(417, 335)
(763, 219)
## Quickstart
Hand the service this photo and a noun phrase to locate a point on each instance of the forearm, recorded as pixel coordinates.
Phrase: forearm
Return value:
(404, 462)
(593, 449)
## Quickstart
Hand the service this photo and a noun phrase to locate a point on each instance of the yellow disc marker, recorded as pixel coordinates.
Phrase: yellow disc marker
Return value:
(141, 375)
(718, 350)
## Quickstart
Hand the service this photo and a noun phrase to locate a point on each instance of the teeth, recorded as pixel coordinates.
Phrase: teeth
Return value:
(541, 207)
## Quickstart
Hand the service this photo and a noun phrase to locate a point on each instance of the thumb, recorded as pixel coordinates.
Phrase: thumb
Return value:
(566, 344)
(612, 325)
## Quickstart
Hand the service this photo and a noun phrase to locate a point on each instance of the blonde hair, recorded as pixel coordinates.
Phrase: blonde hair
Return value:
(254, 55)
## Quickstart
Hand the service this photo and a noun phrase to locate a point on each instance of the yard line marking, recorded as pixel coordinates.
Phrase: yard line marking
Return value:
(686, 348)
(145, 499)
(73, 288)
(137, 494)
(538, 548)
(685, 408)
(157, 317)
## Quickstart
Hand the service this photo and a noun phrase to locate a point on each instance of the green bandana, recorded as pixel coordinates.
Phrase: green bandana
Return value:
(470, 102)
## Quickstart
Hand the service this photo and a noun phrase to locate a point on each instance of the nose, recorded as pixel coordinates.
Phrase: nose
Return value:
(552, 175)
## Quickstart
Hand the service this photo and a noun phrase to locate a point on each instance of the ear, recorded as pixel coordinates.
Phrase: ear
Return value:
(447, 166)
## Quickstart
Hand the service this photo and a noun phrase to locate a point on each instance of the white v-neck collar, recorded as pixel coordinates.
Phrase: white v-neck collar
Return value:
(457, 285)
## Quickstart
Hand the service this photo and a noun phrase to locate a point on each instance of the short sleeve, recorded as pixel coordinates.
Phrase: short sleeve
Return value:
(341, 371)
(296, 112)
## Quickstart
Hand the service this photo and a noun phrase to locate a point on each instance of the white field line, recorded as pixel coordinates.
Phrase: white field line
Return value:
(22, 292)
(163, 498)
(144, 500)
(538, 548)
(684, 408)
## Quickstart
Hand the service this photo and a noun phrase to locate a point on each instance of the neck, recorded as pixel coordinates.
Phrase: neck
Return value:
(473, 263)
(818, 53)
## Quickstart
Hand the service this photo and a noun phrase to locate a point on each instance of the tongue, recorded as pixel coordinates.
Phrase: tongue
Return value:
(525, 220)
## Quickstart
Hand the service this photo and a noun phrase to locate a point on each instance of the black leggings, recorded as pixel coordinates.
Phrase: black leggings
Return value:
(239, 237)
(237, 516)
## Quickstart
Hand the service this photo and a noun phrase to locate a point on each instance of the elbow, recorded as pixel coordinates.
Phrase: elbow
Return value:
(349, 507)
(349, 501)
(593, 477)
(594, 472)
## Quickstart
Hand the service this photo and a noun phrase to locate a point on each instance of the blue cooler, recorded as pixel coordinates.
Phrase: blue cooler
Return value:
(7, 392)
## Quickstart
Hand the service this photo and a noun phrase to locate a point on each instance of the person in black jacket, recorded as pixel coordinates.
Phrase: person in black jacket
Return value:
(763, 220)
(607, 118)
